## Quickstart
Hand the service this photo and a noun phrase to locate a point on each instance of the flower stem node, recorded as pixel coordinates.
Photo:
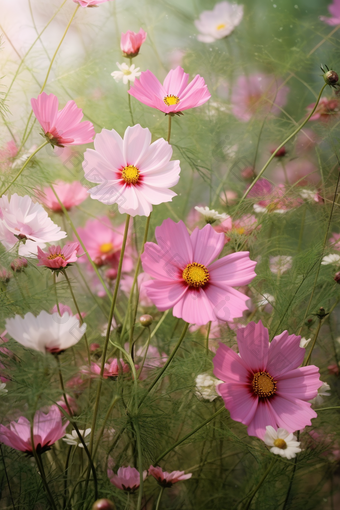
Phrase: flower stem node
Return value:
(330, 77)
(321, 313)
(103, 504)
(146, 320)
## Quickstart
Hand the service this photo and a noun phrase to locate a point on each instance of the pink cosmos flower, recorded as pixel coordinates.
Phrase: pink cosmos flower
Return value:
(132, 172)
(131, 42)
(242, 226)
(70, 194)
(175, 95)
(326, 109)
(62, 127)
(126, 285)
(257, 93)
(300, 171)
(57, 256)
(185, 278)
(47, 429)
(112, 368)
(71, 402)
(127, 478)
(103, 242)
(334, 10)
(272, 198)
(166, 479)
(264, 385)
(334, 241)
(7, 154)
(90, 3)
(66, 309)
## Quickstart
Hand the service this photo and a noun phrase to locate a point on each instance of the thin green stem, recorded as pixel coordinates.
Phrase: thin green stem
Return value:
(41, 469)
(130, 107)
(207, 338)
(7, 478)
(327, 408)
(24, 166)
(180, 441)
(169, 128)
(55, 291)
(115, 400)
(279, 147)
(140, 465)
(314, 342)
(159, 498)
(257, 488)
(66, 475)
(145, 354)
(113, 304)
(169, 360)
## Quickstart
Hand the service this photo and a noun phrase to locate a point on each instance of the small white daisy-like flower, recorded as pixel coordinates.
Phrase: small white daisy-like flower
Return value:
(266, 299)
(219, 22)
(333, 258)
(304, 342)
(126, 73)
(210, 215)
(260, 209)
(323, 391)
(73, 439)
(282, 442)
(3, 390)
(206, 387)
(309, 195)
(280, 263)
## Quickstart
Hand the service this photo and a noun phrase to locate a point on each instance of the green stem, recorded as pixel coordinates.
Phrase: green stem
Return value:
(41, 469)
(207, 338)
(113, 304)
(169, 128)
(254, 492)
(130, 107)
(159, 498)
(327, 408)
(140, 465)
(7, 478)
(103, 426)
(279, 147)
(24, 166)
(169, 360)
(314, 342)
(79, 314)
(55, 291)
(145, 353)
(66, 475)
(180, 441)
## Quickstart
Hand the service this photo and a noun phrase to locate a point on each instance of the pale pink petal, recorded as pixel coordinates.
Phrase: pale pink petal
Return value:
(253, 344)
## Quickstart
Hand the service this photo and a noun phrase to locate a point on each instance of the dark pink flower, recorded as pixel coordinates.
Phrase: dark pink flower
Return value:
(71, 402)
(131, 42)
(127, 478)
(175, 95)
(71, 194)
(242, 226)
(272, 198)
(47, 429)
(334, 10)
(112, 368)
(62, 127)
(264, 385)
(186, 278)
(57, 256)
(326, 109)
(166, 479)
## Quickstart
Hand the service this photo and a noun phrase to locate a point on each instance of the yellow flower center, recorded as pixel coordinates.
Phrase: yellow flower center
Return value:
(221, 26)
(106, 247)
(272, 207)
(171, 100)
(127, 72)
(56, 256)
(240, 230)
(263, 384)
(280, 443)
(130, 174)
(196, 275)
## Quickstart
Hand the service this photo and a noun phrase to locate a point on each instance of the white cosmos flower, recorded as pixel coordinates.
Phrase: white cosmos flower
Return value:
(20, 216)
(47, 332)
(126, 73)
(280, 263)
(206, 387)
(3, 390)
(219, 22)
(210, 215)
(304, 342)
(323, 391)
(73, 439)
(309, 195)
(333, 258)
(281, 442)
(260, 209)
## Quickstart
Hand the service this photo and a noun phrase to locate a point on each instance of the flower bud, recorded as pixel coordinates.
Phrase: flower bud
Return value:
(18, 264)
(331, 78)
(5, 275)
(337, 277)
(111, 274)
(103, 504)
(248, 173)
(146, 320)
(280, 153)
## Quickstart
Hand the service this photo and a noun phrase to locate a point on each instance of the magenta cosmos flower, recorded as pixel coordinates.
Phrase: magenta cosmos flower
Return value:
(264, 385)
(185, 278)
(131, 42)
(58, 257)
(112, 368)
(326, 109)
(127, 478)
(47, 429)
(69, 193)
(334, 10)
(168, 479)
(175, 95)
(132, 172)
(257, 93)
(62, 127)
(90, 3)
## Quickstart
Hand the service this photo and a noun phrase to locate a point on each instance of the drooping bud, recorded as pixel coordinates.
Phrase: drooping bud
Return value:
(337, 277)
(103, 504)
(19, 264)
(146, 320)
(5, 275)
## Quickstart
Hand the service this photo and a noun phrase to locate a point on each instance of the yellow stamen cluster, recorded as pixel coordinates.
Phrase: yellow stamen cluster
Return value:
(220, 26)
(196, 275)
(56, 256)
(130, 174)
(106, 248)
(263, 385)
(280, 443)
(171, 100)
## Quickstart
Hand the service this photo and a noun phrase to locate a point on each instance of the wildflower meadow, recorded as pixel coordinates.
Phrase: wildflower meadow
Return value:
(169, 255)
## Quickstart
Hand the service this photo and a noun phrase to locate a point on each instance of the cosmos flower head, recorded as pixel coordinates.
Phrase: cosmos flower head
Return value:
(334, 10)
(220, 22)
(126, 73)
(126, 479)
(59, 257)
(281, 442)
(130, 42)
(166, 479)
(70, 195)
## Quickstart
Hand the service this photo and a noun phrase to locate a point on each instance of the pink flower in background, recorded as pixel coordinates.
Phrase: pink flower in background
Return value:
(71, 402)
(47, 429)
(305, 141)
(132, 172)
(300, 171)
(334, 241)
(20, 218)
(131, 42)
(71, 194)
(7, 154)
(326, 109)
(175, 95)
(58, 257)
(242, 226)
(334, 10)
(153, 359)
(263, 384)
(166, 479)
(112, 368)
(228, 197)
(219, 22)
(127, 478)
(186, 279)
(90, 3)
(126, 285)
(257, 93)
(66, 309)
(63, 127)
(103, 242)
(272, 198)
